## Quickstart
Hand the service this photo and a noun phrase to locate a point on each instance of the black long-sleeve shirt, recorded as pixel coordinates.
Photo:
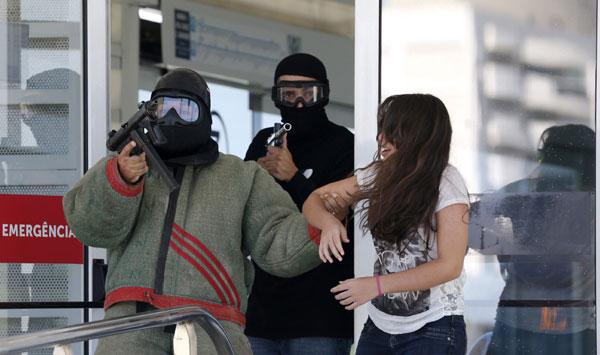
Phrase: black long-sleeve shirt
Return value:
(303, 306)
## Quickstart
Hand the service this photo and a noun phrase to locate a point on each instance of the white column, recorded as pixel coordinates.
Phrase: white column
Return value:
(597, 174)
(97, 82)
(98, 78)
(366, 97)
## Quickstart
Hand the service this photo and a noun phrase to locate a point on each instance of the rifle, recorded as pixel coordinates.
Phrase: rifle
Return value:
(276, 138)
(141, 125)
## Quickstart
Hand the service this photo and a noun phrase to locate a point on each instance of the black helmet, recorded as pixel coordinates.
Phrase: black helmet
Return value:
(183, 81)
(183, 115)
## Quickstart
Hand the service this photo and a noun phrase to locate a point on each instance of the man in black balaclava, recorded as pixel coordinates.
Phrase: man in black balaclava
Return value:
(189, 246)
(299, 315)
(301, 92)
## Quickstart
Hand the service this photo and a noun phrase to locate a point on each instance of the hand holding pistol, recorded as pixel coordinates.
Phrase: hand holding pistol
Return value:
(276, 138)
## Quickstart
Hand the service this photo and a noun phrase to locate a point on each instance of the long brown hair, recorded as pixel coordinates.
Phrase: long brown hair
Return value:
(404, 191)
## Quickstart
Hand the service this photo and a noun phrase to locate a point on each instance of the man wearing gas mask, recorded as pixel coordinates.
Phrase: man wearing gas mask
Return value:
(189, 246)
(300, 315)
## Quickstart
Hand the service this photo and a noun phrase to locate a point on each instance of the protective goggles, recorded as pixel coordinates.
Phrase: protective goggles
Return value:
(290, 93)
(186, 108)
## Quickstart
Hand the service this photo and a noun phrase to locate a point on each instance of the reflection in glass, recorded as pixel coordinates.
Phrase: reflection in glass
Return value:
(519, 82)
(553, 262)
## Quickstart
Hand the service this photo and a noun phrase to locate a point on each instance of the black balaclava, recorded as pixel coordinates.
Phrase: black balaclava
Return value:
(187, 143)
(307, 122)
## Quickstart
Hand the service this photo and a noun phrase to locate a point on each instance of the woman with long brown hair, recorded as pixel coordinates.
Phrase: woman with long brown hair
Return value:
(416, 208)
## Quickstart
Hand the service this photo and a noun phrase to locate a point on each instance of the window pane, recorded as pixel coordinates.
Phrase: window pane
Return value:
(232, 125)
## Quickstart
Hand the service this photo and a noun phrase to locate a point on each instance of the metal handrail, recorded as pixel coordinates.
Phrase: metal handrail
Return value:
(103, 328)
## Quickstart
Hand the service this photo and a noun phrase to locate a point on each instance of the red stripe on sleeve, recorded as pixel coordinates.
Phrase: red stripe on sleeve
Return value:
(315, 234)
(118, 184)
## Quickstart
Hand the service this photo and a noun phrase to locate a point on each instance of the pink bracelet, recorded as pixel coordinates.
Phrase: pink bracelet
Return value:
(378, 285)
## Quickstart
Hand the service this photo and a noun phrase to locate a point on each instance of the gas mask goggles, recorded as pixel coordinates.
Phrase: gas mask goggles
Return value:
(180, 110)
(290, 93)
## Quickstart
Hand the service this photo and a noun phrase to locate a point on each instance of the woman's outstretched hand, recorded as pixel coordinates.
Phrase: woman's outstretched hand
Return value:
(319, 212)
(355, 292)
(332, 236)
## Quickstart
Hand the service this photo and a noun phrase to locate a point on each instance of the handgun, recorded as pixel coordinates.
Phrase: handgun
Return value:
(138, 128)
(276, 138)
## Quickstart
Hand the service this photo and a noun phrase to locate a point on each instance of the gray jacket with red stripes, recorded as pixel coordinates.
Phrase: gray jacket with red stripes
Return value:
(223, 213)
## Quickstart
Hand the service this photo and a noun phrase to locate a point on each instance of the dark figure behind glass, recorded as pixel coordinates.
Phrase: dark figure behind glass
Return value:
(563, 269)
(49, 123)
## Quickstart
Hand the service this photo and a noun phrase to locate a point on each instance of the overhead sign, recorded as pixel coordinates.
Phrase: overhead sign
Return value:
(226, 44)
(34, 230)
(238, 47)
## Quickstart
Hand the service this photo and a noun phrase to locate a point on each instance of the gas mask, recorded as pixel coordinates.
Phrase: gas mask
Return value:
(183, 115)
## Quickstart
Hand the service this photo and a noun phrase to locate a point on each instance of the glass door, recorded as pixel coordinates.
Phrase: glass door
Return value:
(41, 140)
(519, 82)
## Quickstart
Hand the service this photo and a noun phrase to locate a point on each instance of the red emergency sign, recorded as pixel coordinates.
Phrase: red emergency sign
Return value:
(33, 229)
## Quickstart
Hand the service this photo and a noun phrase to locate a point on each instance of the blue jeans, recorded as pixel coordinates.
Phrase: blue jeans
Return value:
(300, 346)
(444, 336)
